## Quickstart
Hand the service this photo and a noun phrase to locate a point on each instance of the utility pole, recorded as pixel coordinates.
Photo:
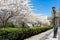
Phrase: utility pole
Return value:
(54, 22)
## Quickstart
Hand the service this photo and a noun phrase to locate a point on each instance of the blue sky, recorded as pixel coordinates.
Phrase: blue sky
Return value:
(44, 7)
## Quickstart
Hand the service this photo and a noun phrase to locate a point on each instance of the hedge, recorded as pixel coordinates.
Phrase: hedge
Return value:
(20, 33)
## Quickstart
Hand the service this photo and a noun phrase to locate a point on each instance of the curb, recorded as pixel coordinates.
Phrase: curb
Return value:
(41, 36)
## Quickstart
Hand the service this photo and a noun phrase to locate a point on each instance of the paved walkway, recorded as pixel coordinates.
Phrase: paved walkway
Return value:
(48, 35)
(41, 36)
(58, 33)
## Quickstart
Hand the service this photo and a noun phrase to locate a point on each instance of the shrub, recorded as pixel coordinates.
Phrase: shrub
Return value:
(10, 24)
(20, 33)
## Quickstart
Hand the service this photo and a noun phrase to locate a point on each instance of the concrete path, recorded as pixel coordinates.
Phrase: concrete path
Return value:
(58, 33)
(41, 36)
(50, 37)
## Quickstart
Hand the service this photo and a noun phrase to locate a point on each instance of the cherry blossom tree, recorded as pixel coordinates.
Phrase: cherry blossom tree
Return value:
(5, 15)
(19, 7)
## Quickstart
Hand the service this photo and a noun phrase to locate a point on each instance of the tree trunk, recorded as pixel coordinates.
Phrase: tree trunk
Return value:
(33, 25)
(4, 24)
(23, 24)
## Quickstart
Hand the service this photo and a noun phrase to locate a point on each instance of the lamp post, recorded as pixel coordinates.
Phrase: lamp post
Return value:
(54, 22)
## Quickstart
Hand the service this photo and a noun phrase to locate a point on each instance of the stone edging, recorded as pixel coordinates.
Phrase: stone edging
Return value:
(40, 36)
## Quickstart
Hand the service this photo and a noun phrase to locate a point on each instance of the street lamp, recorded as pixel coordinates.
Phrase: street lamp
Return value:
(54, 22)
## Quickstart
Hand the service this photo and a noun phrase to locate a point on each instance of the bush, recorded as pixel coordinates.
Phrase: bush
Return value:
(20, 33)
(10, 24)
